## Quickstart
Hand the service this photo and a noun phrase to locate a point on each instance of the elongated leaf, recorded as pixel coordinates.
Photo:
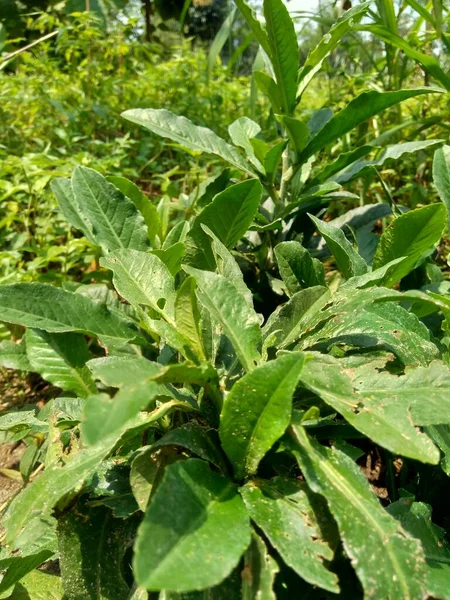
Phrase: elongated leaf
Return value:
(40, 497)
(115, 221)
(118, 371)
(141, 202)
(269, 88)
(196, 543)
(297, 268)
(329, 43)
(228, 216)
(18, 567)
(297, 131)
(142, 278)
(184, 132)
(259, 571)
(342, 161)
(360, 109)
(388, 562)
(415, 518)
(385, 407)
(257, 411)
(38, 585)
(62, 188)
(349, 261)
(427, 61)
(52, 309)
(104, 416)
(282, 509)
(220, 40)
(92, 544)
(283, 51)
(257, 28)
(61, 359)
(411, 235)
(240, 133)
(230, 309)
(187, 316)
(441, 177)
(394, 152)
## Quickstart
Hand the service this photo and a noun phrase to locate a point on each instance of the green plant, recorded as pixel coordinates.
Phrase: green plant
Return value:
(214, 449)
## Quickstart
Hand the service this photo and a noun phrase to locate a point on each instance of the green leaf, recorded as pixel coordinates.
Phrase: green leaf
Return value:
(297, 131)
(349, 261)
(428, 62)
(394, 152)
(115, 221)
(257, 28)
(440, 434)
(260, 570)
(92, 545)
(441, 177)
(141, 202)
(14, 355)
(220, 39)
(105, 416)
(329, 43)
(341, 162)
(240, 132)
(297, 268)
(172, 256)
(18, 567)
(388, 562)
(42, 495)
(228, 216)
(62, 188)
(187, 316)
(382, 406)
(184, 132)
(118, 371)
(284, 510)
(60, 358)
(415, 518)
(192, 544)
(38, 585)
(411, 235)
(52, 309)
(229, 308)
(385, 325)
(257, 411)
(269, 88)
(142, 279)
(284, 53)
(360, 109)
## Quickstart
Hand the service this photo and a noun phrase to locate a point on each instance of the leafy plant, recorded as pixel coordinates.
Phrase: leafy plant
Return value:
(213, 447)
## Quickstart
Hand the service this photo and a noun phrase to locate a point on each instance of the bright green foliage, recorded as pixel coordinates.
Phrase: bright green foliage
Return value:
(230, 391)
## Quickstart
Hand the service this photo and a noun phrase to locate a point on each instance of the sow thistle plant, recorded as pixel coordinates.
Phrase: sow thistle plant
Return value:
(199, 450)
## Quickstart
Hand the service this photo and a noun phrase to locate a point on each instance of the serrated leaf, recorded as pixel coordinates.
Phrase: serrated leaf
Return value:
(142, 279)
(184, 132)
(415, 518)
(388, 562)
(297, 268)
(115, 221)
(384, 407)
(411, 235)
(52, 309)
(260, 570)
(282, 509)
(360, 109)
(60, 358)
(257, 411)
(92, 545)
(441, 177)
(194, 544)
(348, 260)
(229, 308)
(284, 53)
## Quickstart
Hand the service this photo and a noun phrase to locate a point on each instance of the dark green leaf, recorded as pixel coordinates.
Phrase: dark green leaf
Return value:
(441, 177)
(297, 268)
